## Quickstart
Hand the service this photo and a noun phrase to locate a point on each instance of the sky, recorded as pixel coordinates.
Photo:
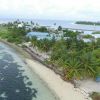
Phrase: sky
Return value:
(51, 9)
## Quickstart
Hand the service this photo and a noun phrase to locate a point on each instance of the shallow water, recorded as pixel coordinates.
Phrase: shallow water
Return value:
(17, 81)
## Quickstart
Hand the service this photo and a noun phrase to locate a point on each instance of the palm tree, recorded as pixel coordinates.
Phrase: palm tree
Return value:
(33, 40)
(73, 68)
(88, 64)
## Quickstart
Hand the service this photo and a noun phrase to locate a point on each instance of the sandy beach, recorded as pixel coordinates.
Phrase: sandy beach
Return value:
(64, 90)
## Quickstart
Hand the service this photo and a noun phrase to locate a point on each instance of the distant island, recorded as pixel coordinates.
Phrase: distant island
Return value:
(97, 32)
(87, 23)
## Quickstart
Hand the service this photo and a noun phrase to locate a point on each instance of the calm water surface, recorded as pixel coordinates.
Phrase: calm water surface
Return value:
(17, 82)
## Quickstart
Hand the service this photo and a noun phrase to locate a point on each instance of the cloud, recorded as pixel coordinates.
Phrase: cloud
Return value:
(51, 9)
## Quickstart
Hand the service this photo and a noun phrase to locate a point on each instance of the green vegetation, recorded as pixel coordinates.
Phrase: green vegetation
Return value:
(68, 33)
(88, 23)
(97, 32)
(59, 28)
(77, 58)
(88, 36)
(40, 29)
(44, 45)
(95, 96)
(12, 33)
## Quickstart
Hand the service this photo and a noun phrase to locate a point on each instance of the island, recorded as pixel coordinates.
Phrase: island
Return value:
(88, 23)
(62, 50)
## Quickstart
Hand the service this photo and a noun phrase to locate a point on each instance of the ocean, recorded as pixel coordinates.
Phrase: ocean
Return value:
(18, 81)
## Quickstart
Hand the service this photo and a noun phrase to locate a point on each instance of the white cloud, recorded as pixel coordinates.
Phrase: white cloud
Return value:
(51, 9)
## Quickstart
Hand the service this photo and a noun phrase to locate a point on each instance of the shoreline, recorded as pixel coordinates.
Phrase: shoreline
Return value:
(22, 53)
(64, 90)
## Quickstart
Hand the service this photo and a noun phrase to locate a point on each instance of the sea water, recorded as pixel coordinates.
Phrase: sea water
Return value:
(17, 81)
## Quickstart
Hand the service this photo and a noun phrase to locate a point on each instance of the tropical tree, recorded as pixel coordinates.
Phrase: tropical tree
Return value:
(73, 69)
(59, 28)
(34, 41)
(88, 64)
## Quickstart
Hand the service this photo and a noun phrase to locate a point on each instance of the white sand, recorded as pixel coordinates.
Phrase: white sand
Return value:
(90, 86)
(64, 90)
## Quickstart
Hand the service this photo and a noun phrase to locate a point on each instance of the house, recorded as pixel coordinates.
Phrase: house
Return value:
(20, 25)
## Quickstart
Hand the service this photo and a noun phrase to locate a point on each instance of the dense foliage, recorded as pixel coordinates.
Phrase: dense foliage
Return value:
(40, 29)
(97, 32)
(13, 33)
(88, 36)
(88, 23)
(79, 59)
